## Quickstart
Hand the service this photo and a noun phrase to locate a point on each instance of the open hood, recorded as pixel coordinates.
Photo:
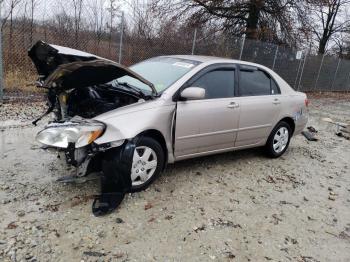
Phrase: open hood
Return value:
(66, 68)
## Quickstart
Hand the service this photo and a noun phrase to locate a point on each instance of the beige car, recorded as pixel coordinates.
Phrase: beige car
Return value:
(170, 108)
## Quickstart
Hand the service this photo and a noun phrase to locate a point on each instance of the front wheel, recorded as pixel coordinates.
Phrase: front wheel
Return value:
(147, 163)
(278, 140)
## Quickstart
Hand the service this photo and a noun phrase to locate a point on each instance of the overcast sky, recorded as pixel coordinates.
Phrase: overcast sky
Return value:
(45, 9)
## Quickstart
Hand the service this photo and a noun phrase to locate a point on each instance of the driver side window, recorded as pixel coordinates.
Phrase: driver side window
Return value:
(218, 83)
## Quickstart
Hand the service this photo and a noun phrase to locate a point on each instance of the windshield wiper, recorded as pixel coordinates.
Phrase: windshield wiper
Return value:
(127, 85)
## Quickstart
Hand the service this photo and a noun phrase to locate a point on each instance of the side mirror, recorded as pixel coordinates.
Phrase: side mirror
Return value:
(193, 93)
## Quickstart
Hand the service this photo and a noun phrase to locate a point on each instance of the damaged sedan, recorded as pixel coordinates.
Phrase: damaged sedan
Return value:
(129, 123)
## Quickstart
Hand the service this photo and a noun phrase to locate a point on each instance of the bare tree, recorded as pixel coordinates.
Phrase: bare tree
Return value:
(326, 20)
(13, 4)
(9, 7)
(78, 8)
(112, 10)
(33, 4)
(251, 17)
(61, 27)
(97, 20)
(143, 19)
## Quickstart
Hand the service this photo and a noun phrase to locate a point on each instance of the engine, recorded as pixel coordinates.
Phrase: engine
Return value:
(88, 102)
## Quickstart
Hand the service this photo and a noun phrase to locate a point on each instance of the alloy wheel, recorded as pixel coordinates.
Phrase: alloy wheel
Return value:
(280, 139)
(144, 165)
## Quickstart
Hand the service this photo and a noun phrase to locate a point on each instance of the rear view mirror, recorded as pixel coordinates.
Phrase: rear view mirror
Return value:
(193, 93)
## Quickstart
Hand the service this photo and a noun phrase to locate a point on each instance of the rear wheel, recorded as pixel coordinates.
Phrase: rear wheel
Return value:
(147, 163)
(278, 140)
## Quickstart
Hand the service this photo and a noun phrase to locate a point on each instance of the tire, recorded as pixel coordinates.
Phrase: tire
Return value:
(143, 144)
(278, 135)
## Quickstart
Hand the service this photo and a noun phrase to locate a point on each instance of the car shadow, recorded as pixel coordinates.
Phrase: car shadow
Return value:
(220, 159)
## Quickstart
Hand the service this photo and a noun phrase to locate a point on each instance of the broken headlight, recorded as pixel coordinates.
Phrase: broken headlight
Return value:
(61, 135)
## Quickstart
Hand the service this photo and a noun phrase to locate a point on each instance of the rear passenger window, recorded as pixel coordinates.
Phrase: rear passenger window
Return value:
(256, 83)
(217, 84)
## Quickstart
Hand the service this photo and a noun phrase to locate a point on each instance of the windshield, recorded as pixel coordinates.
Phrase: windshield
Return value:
(162, 72)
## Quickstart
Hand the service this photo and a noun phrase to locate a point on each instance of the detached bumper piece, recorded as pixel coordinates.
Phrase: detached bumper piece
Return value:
(115, 179)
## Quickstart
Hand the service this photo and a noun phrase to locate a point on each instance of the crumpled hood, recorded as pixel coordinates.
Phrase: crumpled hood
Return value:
(65, 68)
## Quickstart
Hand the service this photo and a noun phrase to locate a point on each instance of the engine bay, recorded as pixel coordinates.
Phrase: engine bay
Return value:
(88, 102)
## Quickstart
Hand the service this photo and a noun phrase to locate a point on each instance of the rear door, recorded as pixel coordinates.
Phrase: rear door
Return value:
(211, 123)
(260, 102)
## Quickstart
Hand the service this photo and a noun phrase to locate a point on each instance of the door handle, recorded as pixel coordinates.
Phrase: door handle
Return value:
(276, 101)
(233, 105)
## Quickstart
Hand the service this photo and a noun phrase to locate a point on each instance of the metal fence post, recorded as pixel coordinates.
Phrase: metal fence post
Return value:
(274, 59)
(319, 72)
(297, 76)
(194, 40)
(121, 38)
(335, 74)
(302, 71)
(242, 47)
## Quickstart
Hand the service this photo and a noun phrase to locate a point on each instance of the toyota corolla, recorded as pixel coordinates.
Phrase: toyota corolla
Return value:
(161, 110)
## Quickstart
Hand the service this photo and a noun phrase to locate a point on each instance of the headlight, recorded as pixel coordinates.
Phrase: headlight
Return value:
(60, 135)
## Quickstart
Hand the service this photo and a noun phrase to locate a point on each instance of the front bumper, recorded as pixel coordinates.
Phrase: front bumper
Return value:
(80, 158)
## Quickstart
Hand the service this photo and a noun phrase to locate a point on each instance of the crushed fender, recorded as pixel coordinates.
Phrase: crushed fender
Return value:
(115, 179)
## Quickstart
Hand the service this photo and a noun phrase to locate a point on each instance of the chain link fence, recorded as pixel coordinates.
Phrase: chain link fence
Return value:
(107, 34)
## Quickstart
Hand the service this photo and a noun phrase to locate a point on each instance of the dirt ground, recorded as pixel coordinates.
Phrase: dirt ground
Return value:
(238, 206)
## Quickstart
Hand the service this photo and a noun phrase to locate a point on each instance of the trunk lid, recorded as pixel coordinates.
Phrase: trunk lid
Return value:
(66, 68)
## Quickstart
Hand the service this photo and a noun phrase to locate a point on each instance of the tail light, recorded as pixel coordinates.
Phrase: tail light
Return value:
(307, 102)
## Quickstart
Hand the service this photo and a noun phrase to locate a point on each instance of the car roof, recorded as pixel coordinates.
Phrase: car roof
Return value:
(212, 59)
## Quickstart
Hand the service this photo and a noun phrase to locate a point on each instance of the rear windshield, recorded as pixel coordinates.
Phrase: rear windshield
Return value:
(162, 72)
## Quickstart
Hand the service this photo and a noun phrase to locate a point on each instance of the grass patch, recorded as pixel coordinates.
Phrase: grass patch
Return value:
(20, 80)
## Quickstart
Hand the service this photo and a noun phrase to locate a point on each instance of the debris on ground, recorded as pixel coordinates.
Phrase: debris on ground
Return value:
(78, 180)
(309, 136)
(148, 206)
(312, 129)
(340, 134)
(342, 129)
(93, 254)
(200, 228)
(118, 220)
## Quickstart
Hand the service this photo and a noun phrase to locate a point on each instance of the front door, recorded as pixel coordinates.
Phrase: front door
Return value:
(209, 124)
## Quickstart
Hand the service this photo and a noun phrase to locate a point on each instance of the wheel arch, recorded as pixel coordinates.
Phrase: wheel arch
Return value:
(290, 122)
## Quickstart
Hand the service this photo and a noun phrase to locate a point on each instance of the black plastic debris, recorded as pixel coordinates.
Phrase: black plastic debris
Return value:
(312, 129)
(309, 136)
(78, 180)
(118, 220)
(115, 179)
(93, 254)
(340, 134)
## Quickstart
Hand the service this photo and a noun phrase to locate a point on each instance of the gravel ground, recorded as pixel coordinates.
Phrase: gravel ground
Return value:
(238, 206)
